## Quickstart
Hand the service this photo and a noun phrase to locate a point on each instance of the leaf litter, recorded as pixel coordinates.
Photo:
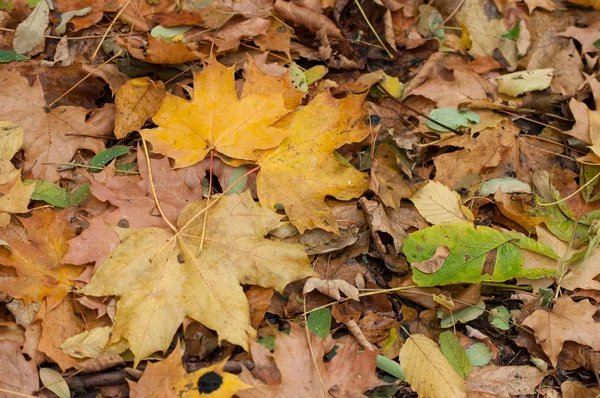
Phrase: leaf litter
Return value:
(277, 198)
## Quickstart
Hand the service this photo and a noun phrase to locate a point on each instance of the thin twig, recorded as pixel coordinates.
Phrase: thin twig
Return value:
(373, 29)
(109, 28)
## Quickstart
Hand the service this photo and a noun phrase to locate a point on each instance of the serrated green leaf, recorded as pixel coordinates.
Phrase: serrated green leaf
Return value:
(470, 249)
(104, 157)
(320, 322)
(500, 317)
(454, 353)
(9, 56)
(479, 354)
(464, 315)
(452, 118)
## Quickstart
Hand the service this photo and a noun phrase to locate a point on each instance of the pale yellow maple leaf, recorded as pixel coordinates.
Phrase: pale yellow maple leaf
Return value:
(161, 280)
(303, 170)
(215, 119)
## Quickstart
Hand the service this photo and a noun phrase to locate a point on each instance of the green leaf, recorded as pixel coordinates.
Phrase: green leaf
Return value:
(298, 78)
(452, 118)
(7, 4)
(268, 341)
(104, 157)
(500, 317)
(506, 185)
(9, 56)
(454, 353)
(514, 32)
(391, 367)
(597, 44)
(167, 34)
(79, 195)
(559, 224)
(479, 354)
(52, 194)
(241, 184)
(470, 250)
(319, 322)
(464, 315)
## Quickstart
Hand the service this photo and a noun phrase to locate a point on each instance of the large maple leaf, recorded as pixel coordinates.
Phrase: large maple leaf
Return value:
(215, 119)
(160, 279)
(300, 172)
(36, 261)
(54, 136)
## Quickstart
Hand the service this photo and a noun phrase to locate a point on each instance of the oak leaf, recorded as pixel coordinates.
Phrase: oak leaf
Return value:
(216, 119)
(303, 170)
(53, 136)
(349, 374)
(567, 321)
(36, 260)
(160, 280)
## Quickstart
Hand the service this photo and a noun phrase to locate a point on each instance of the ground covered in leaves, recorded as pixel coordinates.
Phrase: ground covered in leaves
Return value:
(311, 198)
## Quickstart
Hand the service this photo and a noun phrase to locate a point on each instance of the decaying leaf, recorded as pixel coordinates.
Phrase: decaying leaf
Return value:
(505, 380)
(434, 263)
(331, 288)
(303, 170)
(517, 83)
(136, 101)
(160, 278)
(17, 374)
(427, 370)
(11, 139)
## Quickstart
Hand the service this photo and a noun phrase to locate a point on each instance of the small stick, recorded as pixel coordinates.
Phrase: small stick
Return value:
(410, 108)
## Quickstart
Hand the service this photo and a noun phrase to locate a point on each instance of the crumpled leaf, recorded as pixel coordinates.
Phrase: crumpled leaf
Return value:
(137, 100)
(30, 32)
(46, 139)
(303, 170)
(476, 254)
(505, 380)
(216, 119)
(331, 288)
(438, 204)
(11, 139)
(348, 374)
(427, 370)
(517, 83)
(160, 280)
(36, 260)
(568, 320)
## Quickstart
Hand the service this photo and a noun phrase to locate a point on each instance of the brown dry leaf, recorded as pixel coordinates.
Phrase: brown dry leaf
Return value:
(428, 371)
(215, 119)
(133, 196)
(388, 181)
(349, 374)
(259, 299)
(511, 206)
(136, 101)
(54, 136)
(16, 373)
(435, 262)
(160, 279)
(585, 36)
(303, 170)
(11, 139)
(93, 245)
(229, 36)
(331, 288)
(159, 51)
(17, 199)
(276, 38)
(545, 4)
(36, 260)
(98, 8)
(504, 381)
(310, 19)
(567, 321)
(576, 389)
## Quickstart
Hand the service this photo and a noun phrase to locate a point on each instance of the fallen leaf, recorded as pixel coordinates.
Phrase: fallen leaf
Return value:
(567, 321)
(11, 139)
(427, 370)
(16, 373)
(136, 101)
(476, 254)
(438, 204)
(545, 4)
(303, 170)
(585, 36)
(215, 119)
(331, 288)
(17, 199)
(348, 374)
(433, 264)
(46, 142)
(576, 389)
(54, 382)
(517, 83)
(160, 279)
(36, 260)
(505, 381)
(30, 32)
(312, 20)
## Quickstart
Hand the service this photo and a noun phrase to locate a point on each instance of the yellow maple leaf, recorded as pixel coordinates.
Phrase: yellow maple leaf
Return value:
(215, 119)
(303, 170)
(161, 280)
(36, 261)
